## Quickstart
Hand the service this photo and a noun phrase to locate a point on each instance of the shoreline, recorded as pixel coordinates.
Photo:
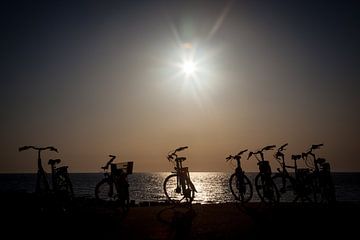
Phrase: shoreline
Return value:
(88, 218)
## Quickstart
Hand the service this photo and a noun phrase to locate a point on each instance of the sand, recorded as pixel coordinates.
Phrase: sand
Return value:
(25, 215)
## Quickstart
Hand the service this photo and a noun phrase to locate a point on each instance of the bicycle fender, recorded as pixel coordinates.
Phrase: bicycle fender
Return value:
(192, 186)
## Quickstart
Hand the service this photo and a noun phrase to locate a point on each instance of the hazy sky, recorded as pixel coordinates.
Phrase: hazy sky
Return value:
(96, 78)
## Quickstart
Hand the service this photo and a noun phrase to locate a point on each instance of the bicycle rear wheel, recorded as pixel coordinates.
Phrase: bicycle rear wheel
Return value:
(63, 185)
(241, 188)
(175, 193)
(266, 189)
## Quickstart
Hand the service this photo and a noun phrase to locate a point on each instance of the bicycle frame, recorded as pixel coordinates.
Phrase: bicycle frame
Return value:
(238, 170)
(321, 176)
(309, 152)
(240, 185)
(239, 173)
(178, 185)
(115, 180)
(183, 174)
(264, 184)
(41, 177)
(114, 186)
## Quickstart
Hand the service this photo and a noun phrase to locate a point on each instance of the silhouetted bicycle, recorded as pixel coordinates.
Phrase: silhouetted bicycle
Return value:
(178, 186)
(240, 184)
(61, 184)
(60, 179)
(323, 185)
(114, 188)
(291, 188)
(264, 184)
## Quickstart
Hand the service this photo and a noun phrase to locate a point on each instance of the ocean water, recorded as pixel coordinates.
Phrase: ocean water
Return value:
(212, 187)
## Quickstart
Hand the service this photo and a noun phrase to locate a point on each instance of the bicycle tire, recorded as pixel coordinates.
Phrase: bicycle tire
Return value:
(63, 185)
(327, 188)
(266, 189)
(286, 186)
(241, 193)
(314, 182)
(173, 193)
(123, 198)
(105, 191)
(328, 193)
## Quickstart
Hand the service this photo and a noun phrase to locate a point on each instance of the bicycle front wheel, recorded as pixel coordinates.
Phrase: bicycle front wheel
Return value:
(325, 188)
(241, 188)
(105, 191)
(286, 186)
(177, 189)
(266, 189)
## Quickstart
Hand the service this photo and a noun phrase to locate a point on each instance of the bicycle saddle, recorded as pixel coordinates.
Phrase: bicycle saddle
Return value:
(295, 157)
(54, 161)
(320, 161)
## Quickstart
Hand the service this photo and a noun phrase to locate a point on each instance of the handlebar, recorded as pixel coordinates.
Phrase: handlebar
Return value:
(237, 156)
(313, 147)
(309, 152)
(181, 148)
(279, 155)
(51, 148)
(270, 147)
(316, 146)
(282, 148)
(173, 154)
(241, 152)
(266, 148)
(112, 158)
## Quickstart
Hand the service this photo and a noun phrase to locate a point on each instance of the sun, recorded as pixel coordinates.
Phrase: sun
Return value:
(188, 67)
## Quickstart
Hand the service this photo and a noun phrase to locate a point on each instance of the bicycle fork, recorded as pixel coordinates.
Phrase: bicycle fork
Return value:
(240, 185)
(184, 183)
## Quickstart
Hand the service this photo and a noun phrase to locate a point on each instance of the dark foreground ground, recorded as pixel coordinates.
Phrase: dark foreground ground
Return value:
(24, 215)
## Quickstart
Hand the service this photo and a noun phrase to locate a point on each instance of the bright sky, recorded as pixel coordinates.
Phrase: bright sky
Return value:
(94, 79)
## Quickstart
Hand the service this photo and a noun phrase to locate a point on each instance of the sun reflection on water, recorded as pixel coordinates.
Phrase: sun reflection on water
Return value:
(211, 187)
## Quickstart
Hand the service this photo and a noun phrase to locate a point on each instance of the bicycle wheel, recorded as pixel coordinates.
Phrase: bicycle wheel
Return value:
(63, 185)
(313, 182)
(286, 186)
(174, 192)
(241, 189)
(123, 195)
(105, 191)
(327, 188)
(266, 189)
(304, 188)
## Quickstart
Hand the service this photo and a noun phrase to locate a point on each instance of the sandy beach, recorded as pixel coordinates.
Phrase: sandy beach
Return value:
(26, 216)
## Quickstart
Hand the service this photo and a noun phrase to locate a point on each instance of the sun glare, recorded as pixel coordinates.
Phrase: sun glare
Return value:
(188, 67)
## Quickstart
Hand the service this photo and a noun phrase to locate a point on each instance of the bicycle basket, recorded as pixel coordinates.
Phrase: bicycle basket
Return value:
(122, 167)
(264, 167)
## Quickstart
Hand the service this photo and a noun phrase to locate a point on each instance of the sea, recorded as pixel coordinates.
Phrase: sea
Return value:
(212, 187)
